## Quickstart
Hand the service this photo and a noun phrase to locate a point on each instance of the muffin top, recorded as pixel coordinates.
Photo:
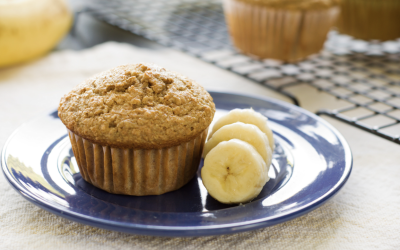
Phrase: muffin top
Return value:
(137, 106)
(295, 4)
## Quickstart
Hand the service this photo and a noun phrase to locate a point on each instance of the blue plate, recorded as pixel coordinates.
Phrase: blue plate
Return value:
(311, 163)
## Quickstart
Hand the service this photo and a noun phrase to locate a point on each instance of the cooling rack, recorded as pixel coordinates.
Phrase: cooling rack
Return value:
(364, 74)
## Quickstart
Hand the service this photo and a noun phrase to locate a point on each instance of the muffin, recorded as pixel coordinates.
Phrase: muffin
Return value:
(137, 129)
(370, 19)
(286, 30)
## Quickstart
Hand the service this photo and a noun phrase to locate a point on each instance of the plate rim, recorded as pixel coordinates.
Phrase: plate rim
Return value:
(185, 231)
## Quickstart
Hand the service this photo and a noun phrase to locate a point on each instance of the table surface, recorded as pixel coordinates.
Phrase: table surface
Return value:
(364, 215)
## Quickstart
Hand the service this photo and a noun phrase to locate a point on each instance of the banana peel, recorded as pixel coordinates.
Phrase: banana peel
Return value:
(30, 28)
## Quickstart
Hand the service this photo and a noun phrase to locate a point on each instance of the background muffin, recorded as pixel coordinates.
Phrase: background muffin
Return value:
(137, 129)
(287, 30)
(370, 19)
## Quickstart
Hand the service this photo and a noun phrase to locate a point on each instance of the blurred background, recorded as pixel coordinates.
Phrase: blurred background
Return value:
(340, 60)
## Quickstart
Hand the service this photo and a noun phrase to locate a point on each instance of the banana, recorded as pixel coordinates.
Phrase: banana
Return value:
(245, 132)
(248, 116)
(234, 172)
(30, 28)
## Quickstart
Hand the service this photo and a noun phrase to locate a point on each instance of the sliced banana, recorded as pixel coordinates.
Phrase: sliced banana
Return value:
(234, 172)
(245, 132)
(248, 116)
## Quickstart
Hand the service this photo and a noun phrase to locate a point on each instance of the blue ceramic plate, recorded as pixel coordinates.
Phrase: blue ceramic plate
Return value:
(311, 163)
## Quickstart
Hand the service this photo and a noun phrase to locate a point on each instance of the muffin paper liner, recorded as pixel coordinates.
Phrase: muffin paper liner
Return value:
(370, 19)
(137, 171)
(283, 34)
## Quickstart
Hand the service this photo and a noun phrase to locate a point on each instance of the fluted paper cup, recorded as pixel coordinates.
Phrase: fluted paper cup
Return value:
(137, 171)
(288, 35)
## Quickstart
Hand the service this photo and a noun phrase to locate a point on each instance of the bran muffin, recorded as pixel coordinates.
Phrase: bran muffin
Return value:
(286, 30)
(137, 129)
(370, 19)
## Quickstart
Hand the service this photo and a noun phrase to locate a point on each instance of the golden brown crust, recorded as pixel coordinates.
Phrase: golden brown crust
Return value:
(295, 4)
(137, 106)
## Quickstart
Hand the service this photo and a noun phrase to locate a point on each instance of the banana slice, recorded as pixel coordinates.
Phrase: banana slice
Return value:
(234, 172)
(245, 132)
(248, 116)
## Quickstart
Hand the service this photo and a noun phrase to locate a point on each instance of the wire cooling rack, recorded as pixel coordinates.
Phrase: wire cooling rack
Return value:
(364, 74)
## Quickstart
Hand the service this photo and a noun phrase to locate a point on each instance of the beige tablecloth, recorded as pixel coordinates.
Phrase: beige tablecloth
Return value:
(364, 215)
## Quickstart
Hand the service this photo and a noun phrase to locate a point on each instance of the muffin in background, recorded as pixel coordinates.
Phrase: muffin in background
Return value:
(137, 129)
(287, 30)
(370, 19)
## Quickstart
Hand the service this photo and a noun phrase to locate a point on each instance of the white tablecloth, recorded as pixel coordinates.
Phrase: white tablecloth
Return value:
(365, 214)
